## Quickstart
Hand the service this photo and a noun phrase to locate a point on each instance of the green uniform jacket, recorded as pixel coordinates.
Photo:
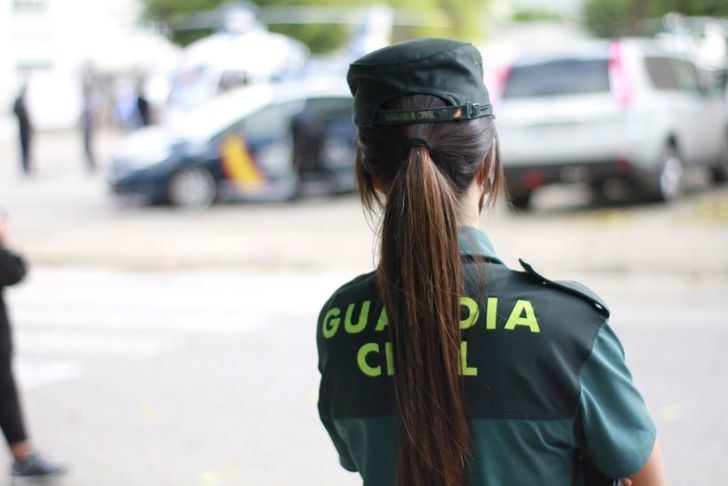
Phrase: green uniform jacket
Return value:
(544, 377)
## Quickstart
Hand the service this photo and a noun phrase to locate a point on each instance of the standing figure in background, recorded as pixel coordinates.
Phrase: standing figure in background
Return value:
(142, 105)
(27, 462)
(88, 125)
(25, 129)
(308, 142)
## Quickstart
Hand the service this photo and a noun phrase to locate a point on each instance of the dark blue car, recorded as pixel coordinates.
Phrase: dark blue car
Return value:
(258, 142)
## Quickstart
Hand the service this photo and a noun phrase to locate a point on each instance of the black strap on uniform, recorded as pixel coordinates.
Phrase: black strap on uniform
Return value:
(479, 259)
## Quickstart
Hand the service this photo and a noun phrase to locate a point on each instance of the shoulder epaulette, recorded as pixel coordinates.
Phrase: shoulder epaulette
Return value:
(574, 288)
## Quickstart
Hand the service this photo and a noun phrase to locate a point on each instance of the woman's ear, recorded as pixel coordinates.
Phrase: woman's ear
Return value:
(481, 177)
(486, 172)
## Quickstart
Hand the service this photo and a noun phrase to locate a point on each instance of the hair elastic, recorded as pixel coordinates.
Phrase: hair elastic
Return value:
(417, 142)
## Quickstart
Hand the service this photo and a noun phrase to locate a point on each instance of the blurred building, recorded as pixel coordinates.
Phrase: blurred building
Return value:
(53, 44)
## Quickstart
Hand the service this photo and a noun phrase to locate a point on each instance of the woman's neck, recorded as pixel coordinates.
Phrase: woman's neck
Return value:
(469, 213)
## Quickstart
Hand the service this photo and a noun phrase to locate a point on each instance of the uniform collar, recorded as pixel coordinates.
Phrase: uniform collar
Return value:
(473, 242)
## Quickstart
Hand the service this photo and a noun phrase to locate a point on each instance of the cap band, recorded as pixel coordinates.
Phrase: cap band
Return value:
(467, 111)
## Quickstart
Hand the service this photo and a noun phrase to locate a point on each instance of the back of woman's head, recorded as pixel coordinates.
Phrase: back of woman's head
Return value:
(426, 140)
(419, 276)
(462, 151)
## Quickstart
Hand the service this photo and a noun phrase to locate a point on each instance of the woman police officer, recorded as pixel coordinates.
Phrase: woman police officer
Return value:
(444, 367)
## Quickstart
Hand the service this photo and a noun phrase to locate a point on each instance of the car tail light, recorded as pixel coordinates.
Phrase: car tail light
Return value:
(620, 82)
(623, 165)
(533, 178)
(501, 78)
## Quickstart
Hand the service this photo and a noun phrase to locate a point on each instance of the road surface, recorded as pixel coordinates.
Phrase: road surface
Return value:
(157, 346)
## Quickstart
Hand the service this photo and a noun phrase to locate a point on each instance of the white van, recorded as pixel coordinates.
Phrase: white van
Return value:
(609, 110)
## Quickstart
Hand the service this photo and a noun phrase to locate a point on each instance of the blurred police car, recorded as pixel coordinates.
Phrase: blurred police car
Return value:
(257, 142)
(609, 110)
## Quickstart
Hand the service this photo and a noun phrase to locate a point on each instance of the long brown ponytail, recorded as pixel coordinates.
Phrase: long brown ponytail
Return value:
(420, 281)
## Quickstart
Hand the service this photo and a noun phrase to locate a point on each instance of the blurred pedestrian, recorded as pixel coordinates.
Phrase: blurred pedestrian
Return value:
(27, 462)
(444, 366)
(308, 141)
(142, 105)
(25, 129)
(88, 125)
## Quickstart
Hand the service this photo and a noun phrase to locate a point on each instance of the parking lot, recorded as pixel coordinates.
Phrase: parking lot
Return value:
(161, 346)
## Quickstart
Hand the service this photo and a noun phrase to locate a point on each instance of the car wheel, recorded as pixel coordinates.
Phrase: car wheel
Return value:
(719, 172)
(669, 181)
(597, 189)
(192, 187)
(521, 200)
(296, 190)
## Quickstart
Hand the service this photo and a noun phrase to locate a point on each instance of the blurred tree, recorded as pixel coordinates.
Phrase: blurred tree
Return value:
(463, 16)
(318, 37)
(610, 18)
(536, 15)
(466, 17)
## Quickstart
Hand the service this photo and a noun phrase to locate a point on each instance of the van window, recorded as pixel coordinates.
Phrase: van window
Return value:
(672, 74)
(558, 77)
(687, 76)
(661, 73)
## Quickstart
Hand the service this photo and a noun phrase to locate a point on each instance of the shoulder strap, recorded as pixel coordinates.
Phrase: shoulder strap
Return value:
(574, 288)
(479, 259)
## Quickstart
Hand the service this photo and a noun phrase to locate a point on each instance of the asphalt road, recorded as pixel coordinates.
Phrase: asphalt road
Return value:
(158, 346)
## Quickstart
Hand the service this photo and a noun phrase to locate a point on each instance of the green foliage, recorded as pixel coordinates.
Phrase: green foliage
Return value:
(606, 18)
(165, 9)
(463, 16)
(466, 17)
(610, 18)
(713, 8)
(318, 37)
(535, 15)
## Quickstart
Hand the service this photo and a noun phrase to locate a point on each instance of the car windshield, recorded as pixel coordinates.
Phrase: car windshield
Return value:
(558, 77)
(213, 117)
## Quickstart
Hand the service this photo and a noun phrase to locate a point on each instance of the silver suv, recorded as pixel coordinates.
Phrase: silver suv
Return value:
(609, 110)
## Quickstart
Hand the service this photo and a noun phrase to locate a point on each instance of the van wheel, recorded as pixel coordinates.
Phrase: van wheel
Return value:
(521, 200)
(192, 188)
(669, 181)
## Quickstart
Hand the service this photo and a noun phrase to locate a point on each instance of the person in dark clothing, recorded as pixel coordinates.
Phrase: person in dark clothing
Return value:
(25, 130)
(88, 125)
(308, 140)
(27, 462)
(143, 108)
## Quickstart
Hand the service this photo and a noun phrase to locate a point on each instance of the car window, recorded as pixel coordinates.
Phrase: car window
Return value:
(330, 108)
(558, 77)
(661, 73)
(272, 122)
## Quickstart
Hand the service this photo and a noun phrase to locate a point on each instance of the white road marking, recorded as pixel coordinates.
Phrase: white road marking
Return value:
(32, 373)
(66, 321)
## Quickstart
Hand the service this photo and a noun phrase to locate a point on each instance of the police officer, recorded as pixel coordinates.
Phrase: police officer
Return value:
(444, 367)
(27, 463)
(25, 130)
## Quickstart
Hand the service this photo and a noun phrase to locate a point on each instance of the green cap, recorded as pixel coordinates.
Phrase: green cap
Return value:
(448, 69)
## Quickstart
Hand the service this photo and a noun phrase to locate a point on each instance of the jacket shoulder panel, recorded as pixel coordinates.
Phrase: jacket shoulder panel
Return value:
(570, 287)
